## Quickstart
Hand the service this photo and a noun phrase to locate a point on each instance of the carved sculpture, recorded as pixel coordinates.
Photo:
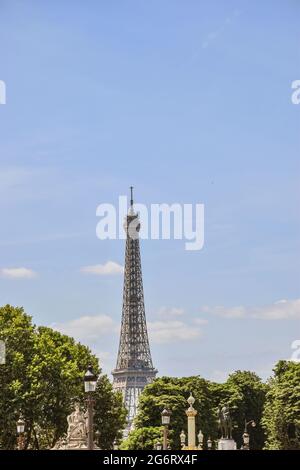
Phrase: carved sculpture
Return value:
(76, 438)
(225, 422)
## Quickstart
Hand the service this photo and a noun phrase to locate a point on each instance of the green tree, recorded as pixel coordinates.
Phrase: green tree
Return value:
(142, 438)
(55, 376)
(110, 414)
(172, 393)
(42, 377)
(281, 417)
(17, 331)
(245, 393)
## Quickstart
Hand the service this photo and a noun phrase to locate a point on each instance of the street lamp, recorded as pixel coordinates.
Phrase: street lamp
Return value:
(182, 439)
(246, 437)
(165, 421)
(115, 445)
(90, 383)
(209, 444)
(200, 439)
(20, 431)
(158, 445)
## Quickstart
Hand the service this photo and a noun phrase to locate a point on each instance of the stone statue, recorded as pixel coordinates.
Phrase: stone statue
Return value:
(76, 438)
(225, 422)
(76, 425)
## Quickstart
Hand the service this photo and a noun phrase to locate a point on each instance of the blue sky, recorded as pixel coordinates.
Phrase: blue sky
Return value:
(189, 102)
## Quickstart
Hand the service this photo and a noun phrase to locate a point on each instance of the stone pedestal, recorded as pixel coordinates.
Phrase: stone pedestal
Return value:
(226, 444)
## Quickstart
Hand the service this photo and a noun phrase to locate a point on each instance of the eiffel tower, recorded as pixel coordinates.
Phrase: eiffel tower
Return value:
(134, 369)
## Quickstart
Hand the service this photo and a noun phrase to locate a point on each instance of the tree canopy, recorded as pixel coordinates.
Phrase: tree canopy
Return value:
(244, 392)
(43, 373)
(281, 418)
(42, 377)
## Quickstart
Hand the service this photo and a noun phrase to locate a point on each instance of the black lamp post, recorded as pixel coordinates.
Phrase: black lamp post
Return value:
(246, 437)
(165, 421)
(90, 383)
(20, 431)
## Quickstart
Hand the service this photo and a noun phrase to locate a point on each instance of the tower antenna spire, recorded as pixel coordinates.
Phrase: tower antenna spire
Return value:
(131, 196)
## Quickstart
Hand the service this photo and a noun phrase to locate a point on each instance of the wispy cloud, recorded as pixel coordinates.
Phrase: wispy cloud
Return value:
(280, 310)
(212, 35)
(87, 327)
(172, 331)
(200, 321)
(108, 269)
(13, 177)
(171, 312)
(18, 273)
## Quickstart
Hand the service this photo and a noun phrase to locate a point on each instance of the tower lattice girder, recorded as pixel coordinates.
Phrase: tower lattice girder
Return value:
(134, 367)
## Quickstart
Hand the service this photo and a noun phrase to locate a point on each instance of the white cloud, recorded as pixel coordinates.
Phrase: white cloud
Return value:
(108, 269)
(172, 331)
(280, 310)
(219, 376)
(88, 327)
(18, 273)
(226, 312)
(200, 321)
(13, 177)
(171, 312)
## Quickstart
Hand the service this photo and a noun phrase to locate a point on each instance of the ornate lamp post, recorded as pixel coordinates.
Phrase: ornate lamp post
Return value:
(246, 437)
(191, 428)
(182, 439)
(90, 383)
(200, 440)
(191, 414)
(165, 421)
(20, 431)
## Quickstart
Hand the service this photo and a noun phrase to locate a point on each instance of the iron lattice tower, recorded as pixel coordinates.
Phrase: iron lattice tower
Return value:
(134, 367)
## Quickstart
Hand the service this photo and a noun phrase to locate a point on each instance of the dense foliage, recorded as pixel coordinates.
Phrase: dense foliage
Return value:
(281, 418)
(41, 379)
(244, 392)
(43, 376)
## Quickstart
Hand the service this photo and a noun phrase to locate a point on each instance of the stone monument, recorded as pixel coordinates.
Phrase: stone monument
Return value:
(76, 438)
(226, 442)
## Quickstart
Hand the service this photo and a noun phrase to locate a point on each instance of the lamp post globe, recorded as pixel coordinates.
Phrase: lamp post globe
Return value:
(20, 432)
(200, 439)
(20, 426)
(165, 417)
(90, 380)
(165, 421)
